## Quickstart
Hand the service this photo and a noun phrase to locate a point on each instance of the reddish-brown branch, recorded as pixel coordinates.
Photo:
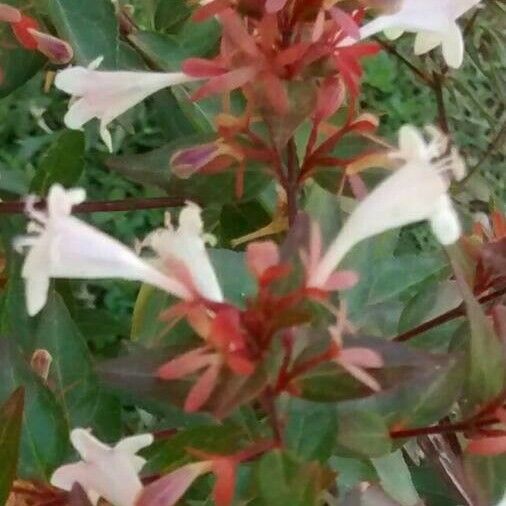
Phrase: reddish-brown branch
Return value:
(444, 428)
(268, 401)
(446, 317)
(291, 181)
(18, 206)
(440, 101)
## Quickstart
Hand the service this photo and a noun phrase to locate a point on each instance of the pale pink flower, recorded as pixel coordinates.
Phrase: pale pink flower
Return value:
(104, 471)
(183, 251)
(62, 246)
(417, 191)
(434, 22)
(108, 94)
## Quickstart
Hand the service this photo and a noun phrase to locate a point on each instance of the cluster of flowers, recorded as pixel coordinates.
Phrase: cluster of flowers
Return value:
(324, 45)
(62, 246)
(247, 55)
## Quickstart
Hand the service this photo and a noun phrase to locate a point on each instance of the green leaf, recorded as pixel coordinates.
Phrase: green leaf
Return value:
(171, 453)
(90, 27)
(147, 328)
(364, 433)
(132, 377)
(365, 259)
(282, 480)
(84, 403)
(240, 219)
(486, 358)
(167, 53)
(14, 319)
(164, 51)
(62, 163)
(395, 478)
(171, 14)
(44, 439)
(324, 207)
(11, 418)
(311, 429)
(153, 168)
(399, 274)
(18, 66)
(489, 472)
(416, 387)
(233, 276)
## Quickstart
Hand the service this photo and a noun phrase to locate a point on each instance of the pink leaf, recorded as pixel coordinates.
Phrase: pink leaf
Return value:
(495, 445)
(226, 82)
(358, 186)
(362, 357)
(202, 389)
(186, 364)
(210, 9)
(361, 375)
(345, 21)
(189, 161)
(235, 30)
(9, 14)
(272, 6)
(260, 256)
(225, 471)
(169, 489)
(200, 67)
(318, 26)
(330, 98)
(341, 280)
(57, 50)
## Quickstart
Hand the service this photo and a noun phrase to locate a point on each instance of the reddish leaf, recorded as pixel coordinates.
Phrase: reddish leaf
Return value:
(203, 388)
(260, 256)
(495, 445)
(169, 489)
(226, 82)
(210, 9)
(224, 489)
(186, 364)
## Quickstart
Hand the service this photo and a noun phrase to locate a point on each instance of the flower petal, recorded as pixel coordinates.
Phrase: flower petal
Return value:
(453, 46)
(202, 389)
(426, 41)
(169, 489)
(9, 14)
(57, 50)
(445, 223)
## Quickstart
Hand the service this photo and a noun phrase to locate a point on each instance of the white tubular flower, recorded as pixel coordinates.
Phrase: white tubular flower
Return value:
(185, 247)
(415, 192)
(108, 94)
(502, 502)
(62, 246)
(434, 22)
(104, 471)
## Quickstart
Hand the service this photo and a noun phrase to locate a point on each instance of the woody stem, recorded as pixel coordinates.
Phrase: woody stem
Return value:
(291, 181)
(443, 428)
(18, 206)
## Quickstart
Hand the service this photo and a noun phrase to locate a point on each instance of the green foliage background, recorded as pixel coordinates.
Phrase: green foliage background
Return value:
(34, 151)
